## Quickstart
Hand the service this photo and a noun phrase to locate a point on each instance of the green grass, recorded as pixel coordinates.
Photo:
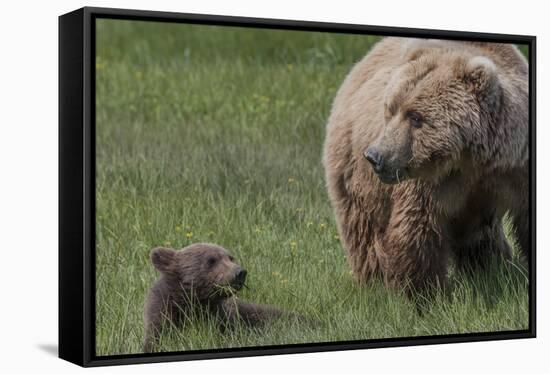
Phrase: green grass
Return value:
(215, 134)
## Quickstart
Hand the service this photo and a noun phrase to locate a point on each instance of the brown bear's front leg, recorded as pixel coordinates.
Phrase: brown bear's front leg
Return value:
(477, 248)
(520, 219)
(517, 205)
(415, 253)
(160, 308)
(153, 326)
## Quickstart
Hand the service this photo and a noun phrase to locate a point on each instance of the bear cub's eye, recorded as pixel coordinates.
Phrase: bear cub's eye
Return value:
(415, 119)
(211, 261)
(231, 258)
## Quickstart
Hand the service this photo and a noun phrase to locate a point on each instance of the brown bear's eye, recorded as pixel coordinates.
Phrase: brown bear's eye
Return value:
(231, 258)
(211, 261)
(415, 120)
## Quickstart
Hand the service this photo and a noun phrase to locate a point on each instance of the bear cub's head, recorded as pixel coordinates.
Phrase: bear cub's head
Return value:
(436, 107)
(205, 271)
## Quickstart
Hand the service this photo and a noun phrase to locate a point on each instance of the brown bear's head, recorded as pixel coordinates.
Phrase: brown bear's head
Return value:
(436, 108)
(204, 270)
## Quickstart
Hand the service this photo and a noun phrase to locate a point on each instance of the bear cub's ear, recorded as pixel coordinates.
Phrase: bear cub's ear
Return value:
(162, 258)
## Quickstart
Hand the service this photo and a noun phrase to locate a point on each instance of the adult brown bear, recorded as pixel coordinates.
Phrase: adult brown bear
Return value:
(427, 149)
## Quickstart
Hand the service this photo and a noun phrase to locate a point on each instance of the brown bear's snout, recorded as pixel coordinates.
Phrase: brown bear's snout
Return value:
(240, 276)
(373, 156)
(385, 167)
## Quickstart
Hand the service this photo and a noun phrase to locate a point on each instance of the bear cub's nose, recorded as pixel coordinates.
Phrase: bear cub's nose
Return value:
(374, 158)
(241, 275)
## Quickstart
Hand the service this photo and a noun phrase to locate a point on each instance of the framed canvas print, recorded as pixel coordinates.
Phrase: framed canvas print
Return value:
(235, 186)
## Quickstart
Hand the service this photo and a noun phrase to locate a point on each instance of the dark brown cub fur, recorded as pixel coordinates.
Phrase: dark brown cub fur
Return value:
(199, 278)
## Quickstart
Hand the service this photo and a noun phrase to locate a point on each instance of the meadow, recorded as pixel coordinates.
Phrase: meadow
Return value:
(215, 134)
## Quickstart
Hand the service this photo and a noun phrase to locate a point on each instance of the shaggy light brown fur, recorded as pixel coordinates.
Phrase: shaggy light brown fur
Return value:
(445, 126)
(199, 278)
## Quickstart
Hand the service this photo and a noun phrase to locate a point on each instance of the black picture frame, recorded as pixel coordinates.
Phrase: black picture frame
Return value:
(77, 181)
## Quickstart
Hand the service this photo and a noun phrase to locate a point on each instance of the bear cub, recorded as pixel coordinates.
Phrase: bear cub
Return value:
(199, 278)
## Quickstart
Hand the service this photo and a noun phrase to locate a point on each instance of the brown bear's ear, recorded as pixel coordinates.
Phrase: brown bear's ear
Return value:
(162, 258)
(482, 77)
